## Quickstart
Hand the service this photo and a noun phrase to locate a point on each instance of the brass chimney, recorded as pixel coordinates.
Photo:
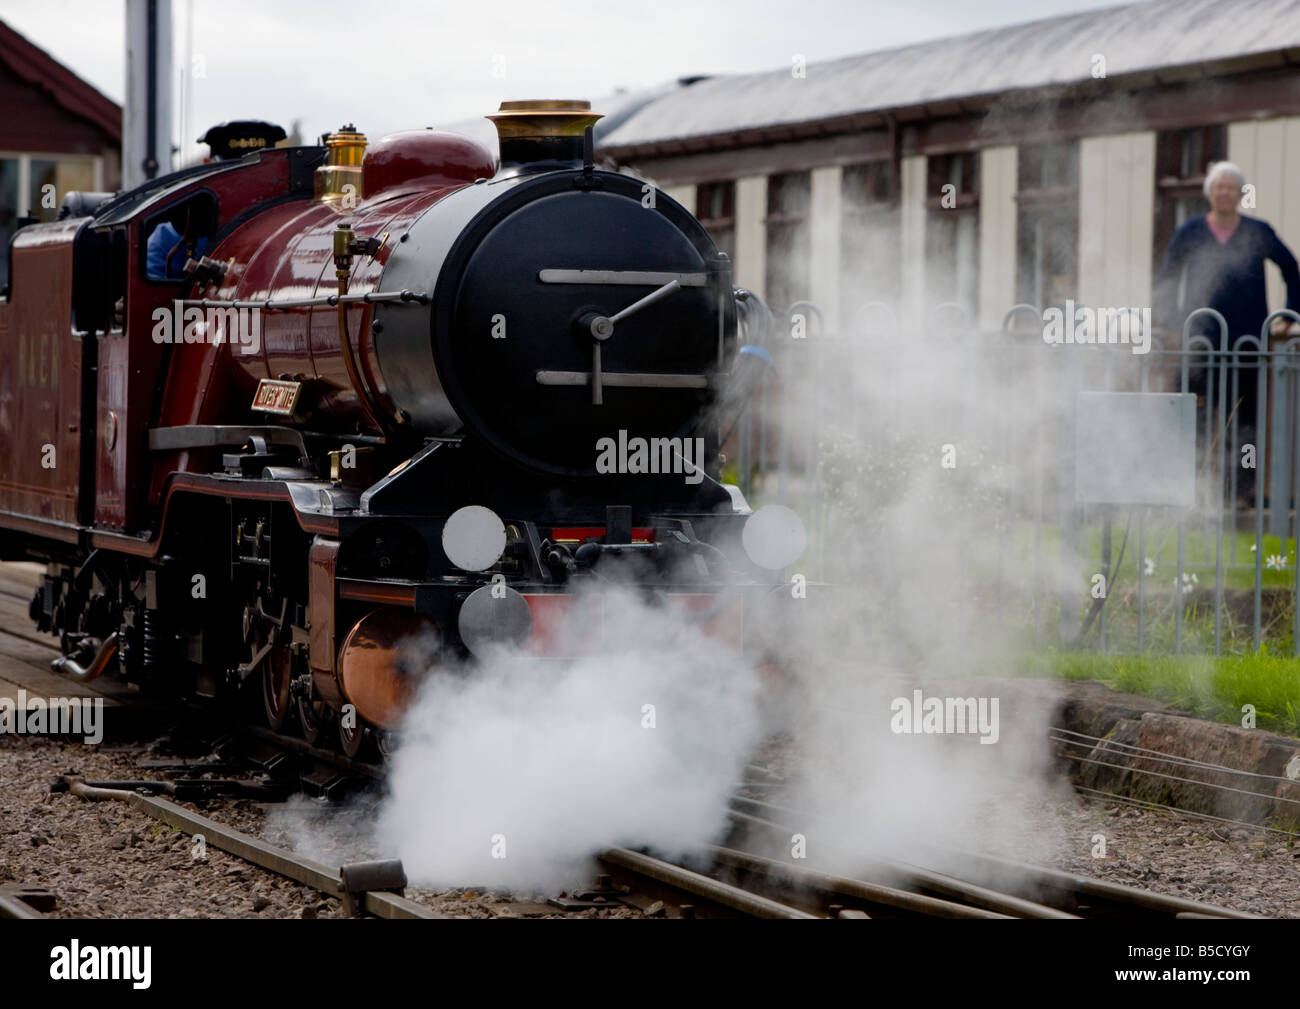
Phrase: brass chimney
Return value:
(546, 133)
(339, 179)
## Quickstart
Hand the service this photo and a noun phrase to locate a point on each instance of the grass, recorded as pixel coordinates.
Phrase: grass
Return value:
(1018, 563)
(1161, 547)
(1198, 556)
(1196, 682)
(1208, 687)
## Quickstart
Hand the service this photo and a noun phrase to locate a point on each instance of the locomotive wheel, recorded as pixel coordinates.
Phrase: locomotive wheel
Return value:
(314, 717)
(352, 740)
(277, 671)
(386, 742)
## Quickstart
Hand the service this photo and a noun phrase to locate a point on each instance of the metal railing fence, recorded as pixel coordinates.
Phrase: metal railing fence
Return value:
(836, 404)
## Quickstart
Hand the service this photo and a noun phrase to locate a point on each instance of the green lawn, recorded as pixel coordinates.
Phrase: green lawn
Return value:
(1201, 685)
(1198, 555)
(1010, 569)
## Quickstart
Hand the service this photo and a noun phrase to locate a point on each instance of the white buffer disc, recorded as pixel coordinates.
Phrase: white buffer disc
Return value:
(473, 538)
(774, 537)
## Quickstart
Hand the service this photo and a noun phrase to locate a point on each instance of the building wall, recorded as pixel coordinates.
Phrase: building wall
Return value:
(997, 234)
(1116, 219)
(912, 310)
(751, 233)
(47, 131)
(1268, 152)
(685, 195)
(824, 246)
(43, 124)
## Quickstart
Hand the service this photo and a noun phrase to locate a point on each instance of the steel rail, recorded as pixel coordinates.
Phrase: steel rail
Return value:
(699, 885)
(919, 878)
(1114, 894)
(11, 907)
(1074, 887)
(251, 849)
(874, 894)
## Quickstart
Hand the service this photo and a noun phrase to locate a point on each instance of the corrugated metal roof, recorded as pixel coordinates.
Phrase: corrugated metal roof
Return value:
(1055, 51)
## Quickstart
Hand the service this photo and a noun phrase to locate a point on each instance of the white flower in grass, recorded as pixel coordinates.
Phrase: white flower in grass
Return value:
(1275, 561)
(1148, 566)
(1190, 581)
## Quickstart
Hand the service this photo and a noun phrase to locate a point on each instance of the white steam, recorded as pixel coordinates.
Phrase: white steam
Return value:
(514, 771)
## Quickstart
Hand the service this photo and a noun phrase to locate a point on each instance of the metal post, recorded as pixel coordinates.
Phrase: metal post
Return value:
(1234, 450)
(1039, 465)
(1218, 493)
(1261, 462)
(147, 109)
(1279, 479)
(742, 449)
(1144, 385)
(1069, 554)
(1188, 343)
(1107, 521)
(763, 417)
(1142, 571)
(1209, 440)
(1260, 412)
(1294, 494)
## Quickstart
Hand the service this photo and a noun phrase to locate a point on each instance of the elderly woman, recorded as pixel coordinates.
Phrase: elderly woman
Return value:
(1221, 257)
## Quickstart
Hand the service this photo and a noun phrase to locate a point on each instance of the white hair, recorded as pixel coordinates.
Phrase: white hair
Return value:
(1222, 168)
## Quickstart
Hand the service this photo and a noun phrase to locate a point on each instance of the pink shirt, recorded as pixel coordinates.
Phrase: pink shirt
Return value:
(1221, 233)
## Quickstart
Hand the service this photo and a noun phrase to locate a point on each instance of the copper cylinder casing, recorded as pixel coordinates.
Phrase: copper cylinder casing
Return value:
(382, 661)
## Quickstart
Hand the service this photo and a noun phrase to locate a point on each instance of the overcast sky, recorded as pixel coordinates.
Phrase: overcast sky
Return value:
(400, 64)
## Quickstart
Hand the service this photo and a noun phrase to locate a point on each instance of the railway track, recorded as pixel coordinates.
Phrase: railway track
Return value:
(361, 885)
(1014, 889)
(251, 761)
(203, 742)
(210, 759)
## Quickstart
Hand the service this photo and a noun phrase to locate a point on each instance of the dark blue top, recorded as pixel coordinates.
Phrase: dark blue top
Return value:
(1228, 276)
(165, 253)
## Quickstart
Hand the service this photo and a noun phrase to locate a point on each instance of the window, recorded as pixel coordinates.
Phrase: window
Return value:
(789, 200)
(1047, 240)
(8, 212)
(952, 231)
(43, 194)
(868, 186)
(715, 208)
(1182, 157)
(869, 235)
(181, 232)
(35, 185)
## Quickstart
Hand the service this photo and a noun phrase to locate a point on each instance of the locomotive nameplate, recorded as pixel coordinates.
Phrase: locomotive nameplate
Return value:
(275, 396)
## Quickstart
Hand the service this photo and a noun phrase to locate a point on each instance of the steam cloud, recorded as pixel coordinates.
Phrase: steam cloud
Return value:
(924, 544)
(919, 460)
(555, 760)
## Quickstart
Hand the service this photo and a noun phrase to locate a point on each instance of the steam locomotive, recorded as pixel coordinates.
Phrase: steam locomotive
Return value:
(270, 419)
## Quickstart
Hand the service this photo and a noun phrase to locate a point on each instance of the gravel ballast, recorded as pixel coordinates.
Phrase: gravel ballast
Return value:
(107, 860)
